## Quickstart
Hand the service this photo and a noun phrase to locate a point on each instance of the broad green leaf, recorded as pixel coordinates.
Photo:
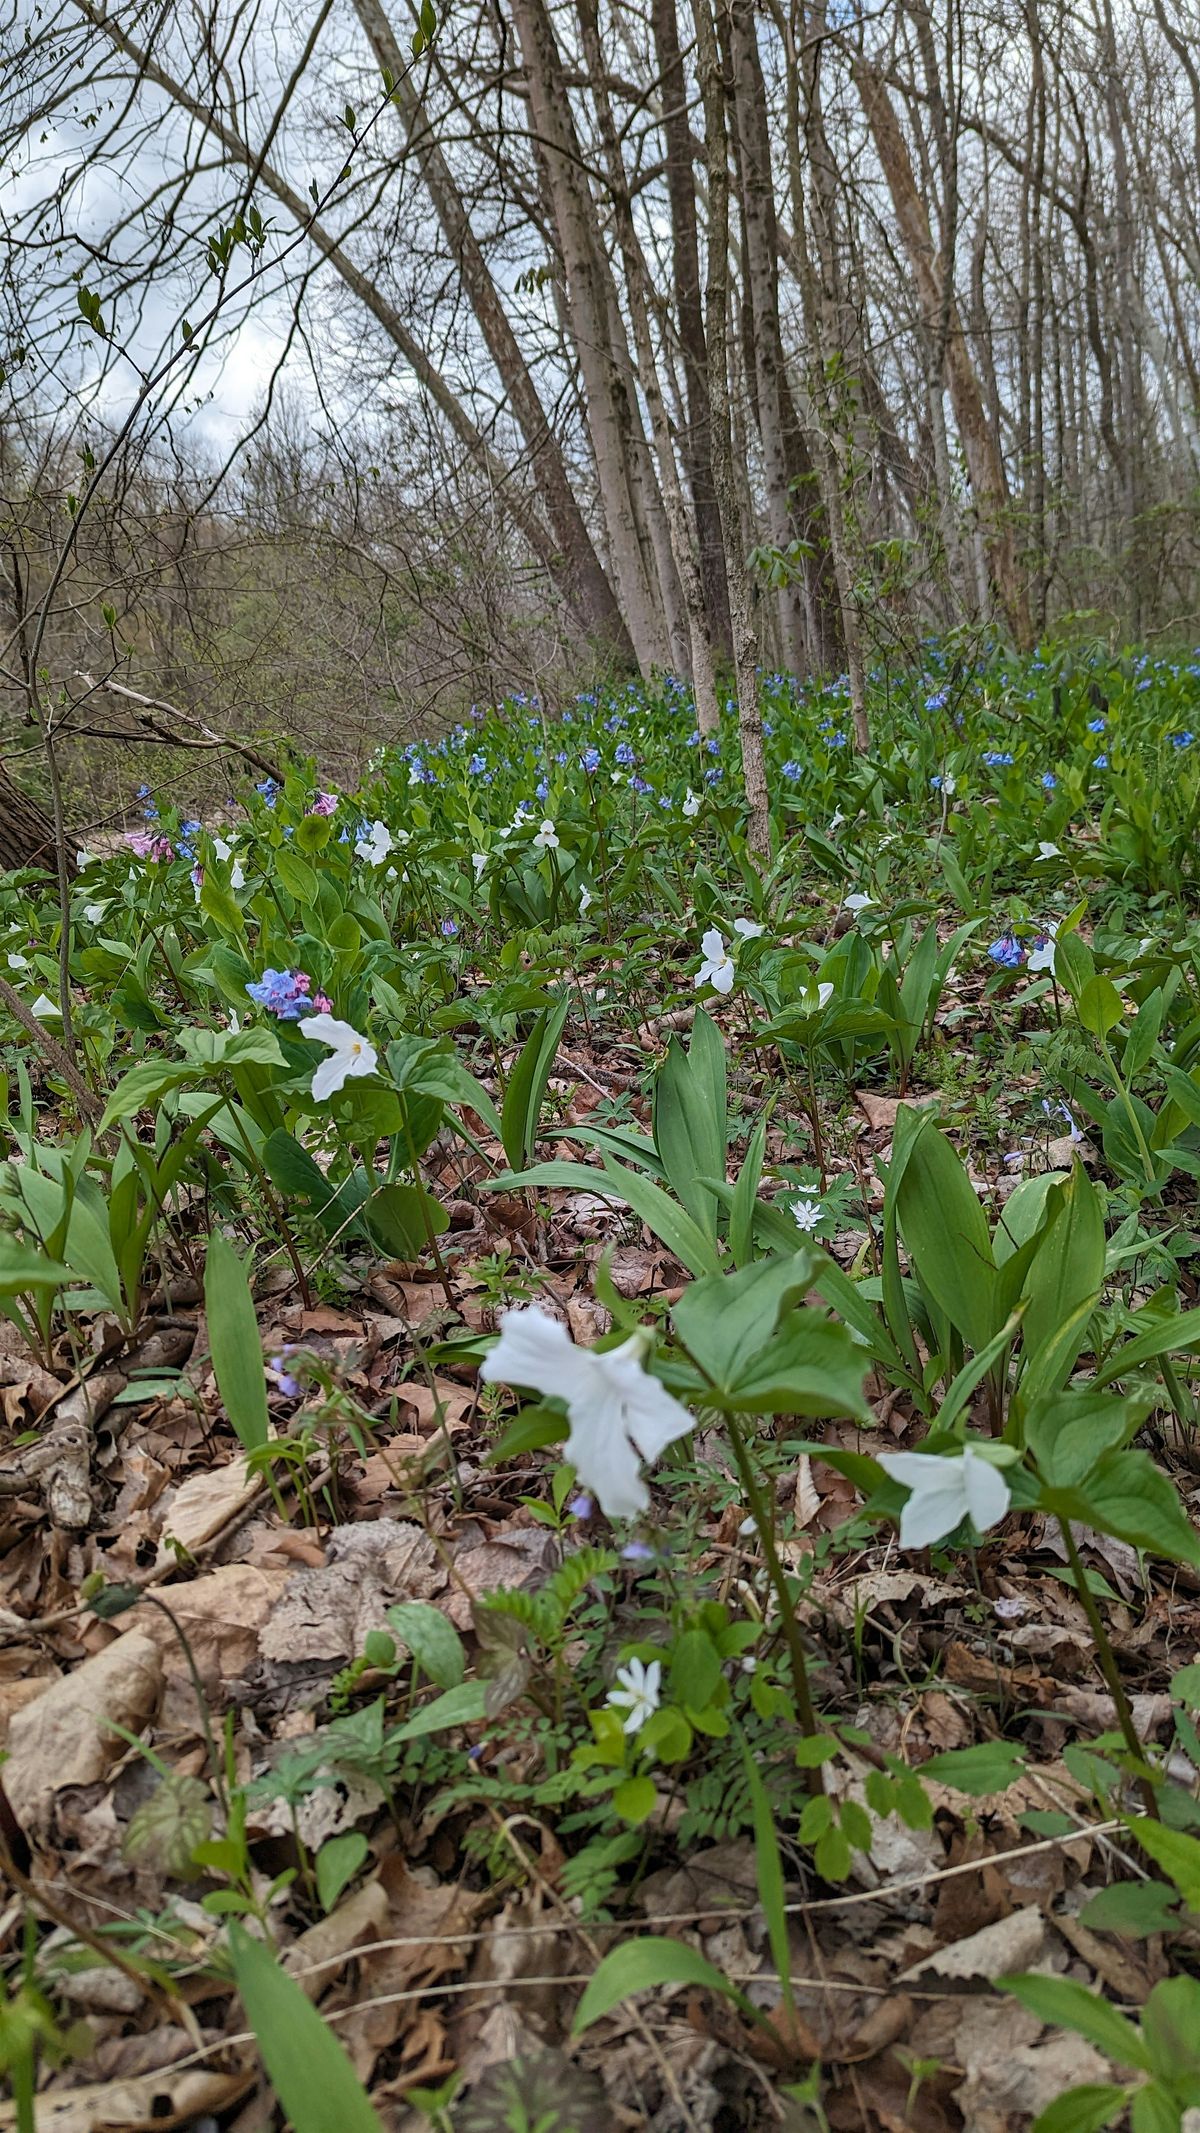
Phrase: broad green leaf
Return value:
(337, 1863)
(432, 1639)
(526, 1089)
(946, 1233)
(695, 1668)
(1067, 1431)
(143, 1088)
(1063, 1283)
(810, 1367)
(637, 1965)
(461, 1706)
(671, 1224)
(1087, 2109)
(1177, 1853)
(689, 1119)
(1133, 1908)
(1059, 2001)
(745, 1195)
(726, 1320)
(23, 1267)
(1099, 1006)
(236, 1343)
(310, 2073)
(401, 1219)
(1171, 2028)
(297, 877)
(1128, 1495)
(990, 1766)
(1176, 1335)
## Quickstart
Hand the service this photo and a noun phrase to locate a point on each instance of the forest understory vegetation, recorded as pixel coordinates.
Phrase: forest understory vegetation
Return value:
(600, 1034)
(601, 1432)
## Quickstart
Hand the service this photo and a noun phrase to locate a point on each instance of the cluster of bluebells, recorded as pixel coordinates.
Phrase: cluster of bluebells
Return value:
(288, 995)
(146, 845)
(1007, 951)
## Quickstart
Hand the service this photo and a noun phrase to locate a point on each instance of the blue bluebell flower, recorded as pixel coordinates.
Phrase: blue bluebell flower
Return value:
(476, 764)
(269, 790)
(1007, 951)
(449, 928)
(938, 701)
(792, 769)
(590, 759)
(1182, 740)
(623, 754)
(1099, 762)
(997, 756)
(1096, 725)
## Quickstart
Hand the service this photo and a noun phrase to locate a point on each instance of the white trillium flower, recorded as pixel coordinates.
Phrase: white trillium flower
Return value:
(816, 997)
(836, 821)
(44, 1006)
(639, 1693)
(478, 861)
(376, 845)
(349, 1054)
(84, 859)
(93, 913)
(18, 962)
(749, 929)
(858, 902)
(1048, 851)
(234, 1024)
(806, 1214)
(691, 804)
(717, 969)
(1043, 958)
(618, 1413)
(945, 1491)
(547, 838)
(586, 900)
(222, 849)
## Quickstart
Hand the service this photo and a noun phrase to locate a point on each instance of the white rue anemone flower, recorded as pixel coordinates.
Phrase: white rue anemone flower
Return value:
(806, 1214)
(717, 968)
(942, 1492)
(638, 1694)
(375, 845)
(547, 837)
(350, 1055)
(618, 1413)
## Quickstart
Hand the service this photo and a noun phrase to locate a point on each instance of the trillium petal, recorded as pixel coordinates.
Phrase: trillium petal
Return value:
(330, 1076)
(712, 946)
(535, 1350)
(723, 974)
(603, 1455)
(929, 1517)
(651, 1416)
(987, 1492)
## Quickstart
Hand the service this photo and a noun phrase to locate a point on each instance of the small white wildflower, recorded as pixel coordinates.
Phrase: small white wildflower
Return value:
(942, 1492)
(806, 1214)
(858, 902)
(691, 804)
(717, 968)
(639, 1694)
(350, 1055)
(547, 838)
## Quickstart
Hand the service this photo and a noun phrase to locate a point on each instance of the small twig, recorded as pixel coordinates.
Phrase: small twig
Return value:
(52, 1051)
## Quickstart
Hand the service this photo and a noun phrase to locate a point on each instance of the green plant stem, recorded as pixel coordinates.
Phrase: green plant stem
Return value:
(1108, 1665)
(151, 1599)
(801, 1690)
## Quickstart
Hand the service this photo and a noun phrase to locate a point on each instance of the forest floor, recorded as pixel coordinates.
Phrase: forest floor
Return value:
(808, 1739)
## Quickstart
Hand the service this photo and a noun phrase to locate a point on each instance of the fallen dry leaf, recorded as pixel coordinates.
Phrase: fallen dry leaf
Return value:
(63, 1737)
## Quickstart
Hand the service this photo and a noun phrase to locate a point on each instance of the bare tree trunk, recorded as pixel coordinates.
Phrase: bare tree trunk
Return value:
(695, 441)
(592, 305)
(26, 834)
(980, 447)
(716, 320)
(587, 587)
(637, 282)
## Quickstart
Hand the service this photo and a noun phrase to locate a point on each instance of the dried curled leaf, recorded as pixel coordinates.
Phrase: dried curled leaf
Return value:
(166, 1829)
